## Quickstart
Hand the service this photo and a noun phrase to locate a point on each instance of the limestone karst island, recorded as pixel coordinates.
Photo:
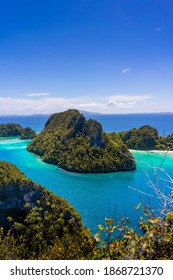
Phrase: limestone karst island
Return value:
(78, 145)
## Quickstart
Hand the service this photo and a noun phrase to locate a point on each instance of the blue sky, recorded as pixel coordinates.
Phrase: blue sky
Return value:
(108, 56)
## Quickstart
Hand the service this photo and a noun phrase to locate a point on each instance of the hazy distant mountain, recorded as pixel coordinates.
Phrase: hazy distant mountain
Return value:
(86, 113)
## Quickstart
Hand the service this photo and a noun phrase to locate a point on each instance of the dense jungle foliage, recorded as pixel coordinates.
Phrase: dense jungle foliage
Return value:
(143, 138)
(14, 130)
(27, 133)
(75, 144)
(36, 224)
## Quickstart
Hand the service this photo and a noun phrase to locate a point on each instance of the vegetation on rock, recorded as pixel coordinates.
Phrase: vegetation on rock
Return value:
(78, 145)
(143, 138)
(36, 224)
(10, 129)
(15, 130)
(28, 133)
(165, 143)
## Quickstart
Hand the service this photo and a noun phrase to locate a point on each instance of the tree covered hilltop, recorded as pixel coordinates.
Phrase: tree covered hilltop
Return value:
(36, 224)
(15, 130)
(78, 145)
(144, 138)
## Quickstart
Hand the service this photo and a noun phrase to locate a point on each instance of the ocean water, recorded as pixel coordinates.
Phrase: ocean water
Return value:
(163, 122)
(95, 196)
(121, 122)
(35, 122)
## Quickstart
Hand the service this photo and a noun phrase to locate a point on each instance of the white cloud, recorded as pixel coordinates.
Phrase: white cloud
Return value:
(125, 70)
(121, 105)
(126, 101)
(130, 98)
(37, 94)
(158, 29)
(109, 104)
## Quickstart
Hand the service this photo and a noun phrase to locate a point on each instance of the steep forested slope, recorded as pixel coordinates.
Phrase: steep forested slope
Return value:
(36, 224)
(78, 145)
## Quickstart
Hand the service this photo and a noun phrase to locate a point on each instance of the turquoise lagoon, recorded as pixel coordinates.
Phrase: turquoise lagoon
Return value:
(94, 196)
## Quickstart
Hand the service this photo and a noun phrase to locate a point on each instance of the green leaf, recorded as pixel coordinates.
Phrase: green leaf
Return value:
(9, 219)
(146, 213)
(127, 235)
(97, 239)
(97, 234)
(137, 207)
(109, 221)
(167, 236)
(170, 215)
(153, 221)
(133, 243)
(101, 227)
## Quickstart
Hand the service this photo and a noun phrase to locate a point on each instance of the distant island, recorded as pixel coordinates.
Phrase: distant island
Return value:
(15, 130)
(144, 138)
(75, 144)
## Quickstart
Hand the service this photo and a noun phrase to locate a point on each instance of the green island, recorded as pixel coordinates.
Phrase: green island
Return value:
(144, 138)
(15, 130)
(75, 144)
(36, 224)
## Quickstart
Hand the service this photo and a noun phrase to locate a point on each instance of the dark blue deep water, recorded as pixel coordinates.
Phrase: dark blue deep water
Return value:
(163, 121)
(96, 196)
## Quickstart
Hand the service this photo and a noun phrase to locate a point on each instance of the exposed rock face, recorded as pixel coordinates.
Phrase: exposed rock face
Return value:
(36, 223)
(15, 198)
(75, 144)
(95, 131)
(15, 192)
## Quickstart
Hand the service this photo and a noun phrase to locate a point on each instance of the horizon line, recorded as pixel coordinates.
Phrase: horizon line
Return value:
(84, 112)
